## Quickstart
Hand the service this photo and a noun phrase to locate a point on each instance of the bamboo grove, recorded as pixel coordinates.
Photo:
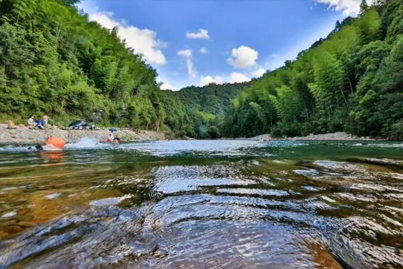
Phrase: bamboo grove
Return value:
(351, 81)
(54, 60)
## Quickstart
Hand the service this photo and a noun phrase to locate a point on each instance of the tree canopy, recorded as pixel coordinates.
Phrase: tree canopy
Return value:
(351, 81)
(53, 60)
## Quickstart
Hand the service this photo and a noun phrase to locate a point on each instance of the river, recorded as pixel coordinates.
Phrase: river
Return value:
(203, 204)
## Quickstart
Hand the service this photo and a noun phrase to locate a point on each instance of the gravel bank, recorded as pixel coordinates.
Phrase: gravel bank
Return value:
(339, 136)
(35, 136)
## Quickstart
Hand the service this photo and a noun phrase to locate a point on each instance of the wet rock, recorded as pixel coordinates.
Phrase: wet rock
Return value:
(323, 257)
(53, 196)
(26, 224)
(9, 215)
(3, 234)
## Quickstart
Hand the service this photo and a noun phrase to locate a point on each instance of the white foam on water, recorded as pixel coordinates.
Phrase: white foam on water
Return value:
(87, 143)
(197, 147)
(381, 145)
(15, 149)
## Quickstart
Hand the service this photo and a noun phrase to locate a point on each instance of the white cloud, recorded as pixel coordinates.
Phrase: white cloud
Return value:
(243, 57)
(231, 78)
(348, 7)
(209, 79)
(258, 73)
(166, 86)
(187, 54)
(202, 34)
(203, 51)
(238, 78)
(143, 41)
(191, 69)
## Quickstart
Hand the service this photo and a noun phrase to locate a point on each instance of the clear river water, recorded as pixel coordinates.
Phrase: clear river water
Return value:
(203, 204)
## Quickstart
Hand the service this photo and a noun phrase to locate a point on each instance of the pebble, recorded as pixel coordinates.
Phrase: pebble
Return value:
(53, 196)
(9, 214)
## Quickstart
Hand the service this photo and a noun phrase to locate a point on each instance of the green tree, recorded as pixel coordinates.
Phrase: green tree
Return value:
(363, 6)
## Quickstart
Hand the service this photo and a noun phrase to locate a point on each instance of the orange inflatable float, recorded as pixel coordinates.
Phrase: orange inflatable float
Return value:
(56, 141)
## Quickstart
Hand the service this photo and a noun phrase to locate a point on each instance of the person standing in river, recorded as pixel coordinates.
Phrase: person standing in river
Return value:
(45, 121)
(110, 137)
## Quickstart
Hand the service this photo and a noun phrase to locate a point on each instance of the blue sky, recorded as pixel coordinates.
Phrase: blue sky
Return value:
(196, 42)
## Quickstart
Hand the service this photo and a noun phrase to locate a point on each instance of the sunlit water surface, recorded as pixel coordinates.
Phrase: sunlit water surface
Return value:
(203, 204)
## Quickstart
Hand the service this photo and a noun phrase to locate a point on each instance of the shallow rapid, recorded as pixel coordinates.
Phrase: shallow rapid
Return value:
(203, 204)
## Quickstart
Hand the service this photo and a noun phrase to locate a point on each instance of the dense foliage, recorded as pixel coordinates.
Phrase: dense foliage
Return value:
(54, 61)
(351, 81)
(199, 111)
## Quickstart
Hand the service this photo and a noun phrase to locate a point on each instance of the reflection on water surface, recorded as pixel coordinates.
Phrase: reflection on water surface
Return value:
(203, 204)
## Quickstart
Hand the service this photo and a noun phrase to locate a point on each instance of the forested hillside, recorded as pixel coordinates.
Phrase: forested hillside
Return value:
(199, 111)
(54, 61)
(351, 81)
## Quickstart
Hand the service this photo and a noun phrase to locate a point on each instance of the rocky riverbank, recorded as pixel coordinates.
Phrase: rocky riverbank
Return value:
(36, 136)
(339, 136)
